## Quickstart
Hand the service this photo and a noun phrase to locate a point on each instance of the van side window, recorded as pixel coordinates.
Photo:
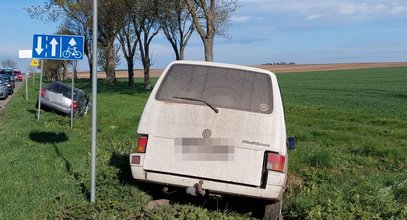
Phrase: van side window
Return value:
(222, 87)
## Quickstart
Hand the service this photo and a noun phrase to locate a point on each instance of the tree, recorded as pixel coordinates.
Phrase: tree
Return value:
(109, 25)
(54, 70)
(9, 63)
(144, 15)
(176, 23)
(128, 41)
(211, 17)
(102, 60)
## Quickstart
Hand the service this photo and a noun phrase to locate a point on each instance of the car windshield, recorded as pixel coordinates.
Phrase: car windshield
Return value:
(221, 87)
(6, 71)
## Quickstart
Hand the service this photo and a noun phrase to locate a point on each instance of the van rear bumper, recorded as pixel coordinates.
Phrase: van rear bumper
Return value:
(273, 190)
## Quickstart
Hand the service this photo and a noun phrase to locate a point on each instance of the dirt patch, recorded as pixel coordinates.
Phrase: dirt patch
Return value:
(321, 67)
(272, 68)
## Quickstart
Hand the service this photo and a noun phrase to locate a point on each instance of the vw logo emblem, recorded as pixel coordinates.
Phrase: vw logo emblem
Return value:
(206, 133)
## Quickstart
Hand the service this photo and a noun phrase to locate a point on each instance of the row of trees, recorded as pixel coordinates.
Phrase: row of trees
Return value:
(9, 63)
(134, 24)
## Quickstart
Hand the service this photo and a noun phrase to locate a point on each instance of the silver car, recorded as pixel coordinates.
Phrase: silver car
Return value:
(57, 97)
(3, 89)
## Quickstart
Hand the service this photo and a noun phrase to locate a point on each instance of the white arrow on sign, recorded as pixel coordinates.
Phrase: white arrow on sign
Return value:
(54, 44)
(72, 42)
(39, 46)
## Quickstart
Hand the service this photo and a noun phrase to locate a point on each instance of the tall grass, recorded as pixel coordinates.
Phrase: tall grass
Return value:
(350, 160)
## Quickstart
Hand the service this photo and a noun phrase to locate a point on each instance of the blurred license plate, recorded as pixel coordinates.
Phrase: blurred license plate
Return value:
(204, 149)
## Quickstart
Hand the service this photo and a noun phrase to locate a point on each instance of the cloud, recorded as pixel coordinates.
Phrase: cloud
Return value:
(313, 17)
(240, 19)
(327, 10)
(399, 9)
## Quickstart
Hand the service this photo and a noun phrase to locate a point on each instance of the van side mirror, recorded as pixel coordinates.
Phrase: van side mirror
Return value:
(291, 143)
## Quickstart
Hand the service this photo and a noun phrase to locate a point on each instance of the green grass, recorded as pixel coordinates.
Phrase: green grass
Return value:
(350, 161)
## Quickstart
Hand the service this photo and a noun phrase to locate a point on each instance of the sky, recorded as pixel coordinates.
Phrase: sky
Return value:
(261, 31)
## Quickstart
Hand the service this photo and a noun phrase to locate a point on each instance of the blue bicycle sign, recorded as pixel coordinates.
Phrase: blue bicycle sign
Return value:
(72, 51)
(58, 47)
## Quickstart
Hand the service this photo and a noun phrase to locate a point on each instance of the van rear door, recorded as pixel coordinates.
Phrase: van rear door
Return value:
(189, 138)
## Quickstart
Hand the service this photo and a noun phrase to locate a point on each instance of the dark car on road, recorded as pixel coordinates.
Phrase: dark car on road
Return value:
(3, 89)
(10, 73)
(57, 97)
(8, 82)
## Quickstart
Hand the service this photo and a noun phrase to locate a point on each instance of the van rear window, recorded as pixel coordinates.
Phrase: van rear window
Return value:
(221, 87)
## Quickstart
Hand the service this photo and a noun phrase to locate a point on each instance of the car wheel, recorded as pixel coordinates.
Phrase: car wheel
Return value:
(273, 211)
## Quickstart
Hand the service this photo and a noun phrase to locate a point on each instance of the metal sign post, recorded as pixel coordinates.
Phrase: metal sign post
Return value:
(39, 91)
(34, 63)
(26, 87)
(25, 54)
(72, 103)
(94, 93)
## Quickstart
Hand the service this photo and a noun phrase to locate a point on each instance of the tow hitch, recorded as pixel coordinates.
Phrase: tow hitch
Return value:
(196, 189)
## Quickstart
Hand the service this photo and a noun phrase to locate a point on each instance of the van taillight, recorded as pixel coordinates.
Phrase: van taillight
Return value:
(275, 162)
(43, 92)
(142, 144)
(74, 104)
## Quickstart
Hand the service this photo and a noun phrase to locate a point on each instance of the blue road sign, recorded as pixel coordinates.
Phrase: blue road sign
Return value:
(58, 47)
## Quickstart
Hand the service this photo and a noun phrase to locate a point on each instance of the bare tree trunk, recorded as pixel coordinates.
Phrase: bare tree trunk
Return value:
(208, 44)
(110, 65)
(177, 54)
(90, 69)
(146, 66)
(65, 71)
(130, 67)
(147, 84)
(75, 69)
(88, 53)
(89, 64)
(181, 53)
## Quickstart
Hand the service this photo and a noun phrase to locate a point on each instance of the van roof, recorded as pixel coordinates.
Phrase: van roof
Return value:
(224, 65)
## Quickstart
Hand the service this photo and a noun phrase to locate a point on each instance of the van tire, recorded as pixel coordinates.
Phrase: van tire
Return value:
(273, 211)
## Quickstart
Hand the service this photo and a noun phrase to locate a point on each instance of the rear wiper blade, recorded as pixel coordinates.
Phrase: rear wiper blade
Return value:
(198, 100)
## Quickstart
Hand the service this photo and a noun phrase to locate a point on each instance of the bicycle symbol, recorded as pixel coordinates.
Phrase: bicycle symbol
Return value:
(71, 51)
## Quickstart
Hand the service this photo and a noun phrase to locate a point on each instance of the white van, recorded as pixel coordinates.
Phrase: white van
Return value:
(215, 129)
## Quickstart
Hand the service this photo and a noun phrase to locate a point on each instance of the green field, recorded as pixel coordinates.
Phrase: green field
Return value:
(350, 161)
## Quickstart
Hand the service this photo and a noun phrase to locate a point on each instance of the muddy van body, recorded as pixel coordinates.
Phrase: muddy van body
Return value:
(215, 128)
